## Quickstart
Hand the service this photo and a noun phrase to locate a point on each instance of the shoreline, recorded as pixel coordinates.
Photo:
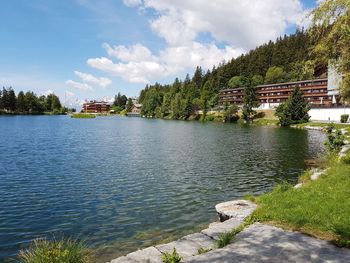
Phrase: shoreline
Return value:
(230, 221)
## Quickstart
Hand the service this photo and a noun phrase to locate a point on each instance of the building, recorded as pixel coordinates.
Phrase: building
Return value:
(136, 110)
(317, 92)
(96, 107)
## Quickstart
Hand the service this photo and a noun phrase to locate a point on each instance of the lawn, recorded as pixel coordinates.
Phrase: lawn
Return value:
(320, 208)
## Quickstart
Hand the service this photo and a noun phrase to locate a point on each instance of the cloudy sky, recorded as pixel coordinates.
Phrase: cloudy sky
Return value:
(89, 49)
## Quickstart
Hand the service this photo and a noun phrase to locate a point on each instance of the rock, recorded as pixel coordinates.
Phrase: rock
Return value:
(239, 209)
(298, 186)
(147, 255)
(216, 229)
(188, 246)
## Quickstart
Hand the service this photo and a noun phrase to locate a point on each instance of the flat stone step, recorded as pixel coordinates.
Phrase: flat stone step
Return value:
(188, 246)
(216, 229)
(263, 243)
(147, 255)
(239, 209)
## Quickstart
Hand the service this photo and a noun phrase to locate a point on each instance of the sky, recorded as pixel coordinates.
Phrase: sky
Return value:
(88, 49)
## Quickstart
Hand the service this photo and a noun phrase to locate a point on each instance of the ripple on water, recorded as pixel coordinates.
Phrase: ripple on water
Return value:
(123, 183)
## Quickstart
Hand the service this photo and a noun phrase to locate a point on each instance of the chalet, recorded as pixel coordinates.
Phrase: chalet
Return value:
(96, 107)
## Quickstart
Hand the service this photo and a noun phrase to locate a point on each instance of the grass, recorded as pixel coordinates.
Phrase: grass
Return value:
(56, 251)
(320, 208)
(174, 257)
(203, 250)
(83, 116)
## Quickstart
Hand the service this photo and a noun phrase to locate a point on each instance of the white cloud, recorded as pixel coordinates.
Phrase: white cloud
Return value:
(231, 27)
(88, 78)
(78, 85)
(132, 2)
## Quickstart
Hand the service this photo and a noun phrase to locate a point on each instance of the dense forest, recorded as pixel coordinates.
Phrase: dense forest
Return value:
(29, 103)
(286, 59)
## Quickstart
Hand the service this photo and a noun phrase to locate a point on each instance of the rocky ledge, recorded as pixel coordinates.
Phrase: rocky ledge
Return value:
(231, 215)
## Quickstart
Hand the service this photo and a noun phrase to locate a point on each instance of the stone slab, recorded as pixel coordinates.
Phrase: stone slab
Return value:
(239, 209)
(188, 246)
(263, 243)
(216, 229)
(147, 255)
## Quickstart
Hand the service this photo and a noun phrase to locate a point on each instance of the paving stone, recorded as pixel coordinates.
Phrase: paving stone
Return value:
(188, 246)
(216, 229)
(147, 255)
(263, 243)
(123, 260)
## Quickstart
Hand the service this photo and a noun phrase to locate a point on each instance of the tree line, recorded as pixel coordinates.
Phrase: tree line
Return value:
(122, 103)
(29, 103)
(286, 59)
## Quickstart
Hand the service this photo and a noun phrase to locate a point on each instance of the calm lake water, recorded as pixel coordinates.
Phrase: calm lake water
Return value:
(124, 183)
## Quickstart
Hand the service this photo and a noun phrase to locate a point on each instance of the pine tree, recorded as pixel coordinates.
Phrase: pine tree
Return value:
(21, 105)
(250, 101)
(294, 110)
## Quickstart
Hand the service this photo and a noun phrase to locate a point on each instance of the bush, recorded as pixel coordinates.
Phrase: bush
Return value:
(344, 118)
(294, 110)
(171, 258)
(335, 138)
(231, 114)
(62, 251)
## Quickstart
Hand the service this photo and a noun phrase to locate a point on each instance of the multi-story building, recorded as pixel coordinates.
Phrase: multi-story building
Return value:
(317, 92)
(96, 107)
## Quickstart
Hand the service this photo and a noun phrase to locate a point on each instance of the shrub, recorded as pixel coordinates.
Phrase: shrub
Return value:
(344, 118)
(335, 139)
(171, 258)
(231, 114)
(56, 251)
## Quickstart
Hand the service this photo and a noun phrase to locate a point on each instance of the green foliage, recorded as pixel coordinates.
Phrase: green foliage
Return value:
(83, 116)
(174, 257)
(56, 251)
(231, 114)
(344, 118)
(120, 101)
(201, 91)
(275, 75)
(294, 110)
(129, 105)
(250, 101)
(29, 103)
(335, 139)
(331, 33)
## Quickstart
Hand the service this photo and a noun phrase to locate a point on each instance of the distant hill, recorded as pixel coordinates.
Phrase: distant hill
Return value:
(286, 59)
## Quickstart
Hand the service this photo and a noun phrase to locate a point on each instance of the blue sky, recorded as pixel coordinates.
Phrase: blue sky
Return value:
(86, 49)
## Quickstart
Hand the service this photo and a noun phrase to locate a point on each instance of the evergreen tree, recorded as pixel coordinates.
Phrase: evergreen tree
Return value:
(12, 99)
(21, 104)
(250, 101)
(129, 105)
(198, 77)
(294, 110)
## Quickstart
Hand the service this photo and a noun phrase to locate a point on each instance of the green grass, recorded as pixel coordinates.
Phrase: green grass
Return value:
(174, 257)
(83, 116)
(320, 208)
(56, 251)
(203, 250)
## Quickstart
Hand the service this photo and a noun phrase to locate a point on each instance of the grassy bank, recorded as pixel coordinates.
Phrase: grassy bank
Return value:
(320, 208)
(83, 116)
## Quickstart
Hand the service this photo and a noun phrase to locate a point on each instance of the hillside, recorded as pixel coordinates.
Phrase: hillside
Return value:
(286, 59)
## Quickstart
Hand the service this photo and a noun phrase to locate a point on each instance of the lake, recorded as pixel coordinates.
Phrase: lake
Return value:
(123, 183)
